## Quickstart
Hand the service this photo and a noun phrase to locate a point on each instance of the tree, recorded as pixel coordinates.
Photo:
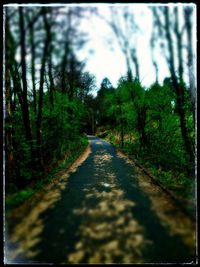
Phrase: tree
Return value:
(90, 122)
(106, 84)
(25, 108)
(8, 118)
(41, 125)
(124, 27)
(104, 99)
(31, 22)
(86, 84)
(133, 94)
(165, 28)
(188, 14)
(42, 72)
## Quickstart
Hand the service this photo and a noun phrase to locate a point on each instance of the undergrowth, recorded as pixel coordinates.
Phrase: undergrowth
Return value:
(175, 180)
(18, 198)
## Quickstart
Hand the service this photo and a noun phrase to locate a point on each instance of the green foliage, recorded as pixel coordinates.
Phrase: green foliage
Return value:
(22, 169)
(18, 198)
(151, 129)
(61, 131)
(104, 100)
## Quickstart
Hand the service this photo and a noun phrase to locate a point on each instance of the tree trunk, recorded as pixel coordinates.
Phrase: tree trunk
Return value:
(51, 87)
(129, 72)
(50, 74)
(121, 126)
(93, 126)
(188, 11)
(9, 128)
(63, 67)
(141, 125)
(122, 132)
(156, 70)
(11, 71)
(135, 61)
(179, 46)
(33, 65)
(178, 89)
(25, 109)
(12, 64)
(40, 103)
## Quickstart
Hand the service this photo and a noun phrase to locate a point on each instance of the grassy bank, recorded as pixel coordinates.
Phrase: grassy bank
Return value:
(175, 181)
(16, 199)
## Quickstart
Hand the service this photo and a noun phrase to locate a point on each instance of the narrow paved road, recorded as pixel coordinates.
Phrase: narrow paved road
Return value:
(103, 211)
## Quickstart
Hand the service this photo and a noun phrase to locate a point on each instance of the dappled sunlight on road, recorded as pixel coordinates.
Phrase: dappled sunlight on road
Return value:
(27, 233)
(99, 143)
(101, 157)
(109, 231)
(106, 211)
(170, 216)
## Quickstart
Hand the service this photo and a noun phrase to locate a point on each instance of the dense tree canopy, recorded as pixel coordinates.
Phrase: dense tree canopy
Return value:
(50, 104)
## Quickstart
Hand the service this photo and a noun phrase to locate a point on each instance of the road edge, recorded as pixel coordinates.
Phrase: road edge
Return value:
(156, 182)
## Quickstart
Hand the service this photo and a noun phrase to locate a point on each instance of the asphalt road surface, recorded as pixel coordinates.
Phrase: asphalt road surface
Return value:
(103, 211)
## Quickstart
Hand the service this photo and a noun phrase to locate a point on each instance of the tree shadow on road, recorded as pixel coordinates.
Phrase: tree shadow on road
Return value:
(101, 216)
(166, 247)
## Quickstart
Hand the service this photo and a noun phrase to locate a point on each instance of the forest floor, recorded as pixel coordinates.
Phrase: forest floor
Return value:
(104, 209)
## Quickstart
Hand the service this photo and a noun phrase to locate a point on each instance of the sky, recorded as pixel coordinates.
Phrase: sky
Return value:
(104, 57)
(107, 62)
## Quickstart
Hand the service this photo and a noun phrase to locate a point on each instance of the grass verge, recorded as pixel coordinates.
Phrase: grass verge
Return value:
(177, 184)
(14, 200)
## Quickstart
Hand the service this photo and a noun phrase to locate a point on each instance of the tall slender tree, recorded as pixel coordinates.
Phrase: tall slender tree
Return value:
(25, 108)
(42, 72)
(188, 15)
(33, 56)
(178, 87)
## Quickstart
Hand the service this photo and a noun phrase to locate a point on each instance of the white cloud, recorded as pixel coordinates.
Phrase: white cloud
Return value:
(105, 62)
